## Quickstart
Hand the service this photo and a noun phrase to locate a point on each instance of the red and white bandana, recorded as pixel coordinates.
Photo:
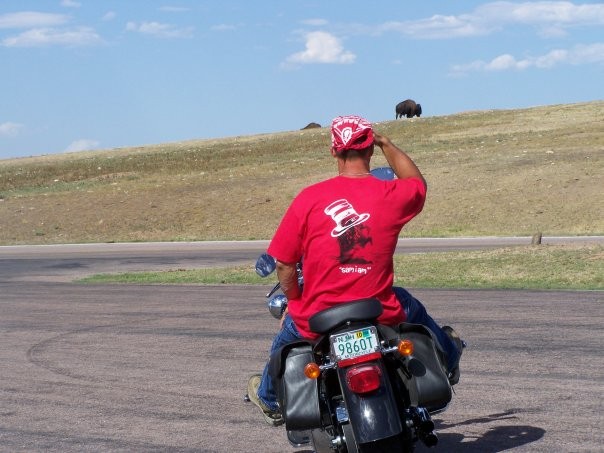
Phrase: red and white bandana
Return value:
(350, 132)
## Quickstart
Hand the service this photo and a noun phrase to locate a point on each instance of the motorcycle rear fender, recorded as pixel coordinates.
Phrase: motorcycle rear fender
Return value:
(373, 416)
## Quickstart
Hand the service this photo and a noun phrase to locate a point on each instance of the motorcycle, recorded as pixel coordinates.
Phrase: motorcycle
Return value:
(361, 387)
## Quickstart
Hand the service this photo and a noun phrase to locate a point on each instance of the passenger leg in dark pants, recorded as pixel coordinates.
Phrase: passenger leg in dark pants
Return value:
(417, 314)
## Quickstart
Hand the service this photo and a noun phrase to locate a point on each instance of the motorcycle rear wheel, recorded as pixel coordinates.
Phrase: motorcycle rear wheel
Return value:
(389, 445)
(321, 441)
(351, 444)
(395, 444)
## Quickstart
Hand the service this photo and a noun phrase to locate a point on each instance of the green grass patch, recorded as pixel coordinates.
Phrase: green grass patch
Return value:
(208, 276)
(535, 267)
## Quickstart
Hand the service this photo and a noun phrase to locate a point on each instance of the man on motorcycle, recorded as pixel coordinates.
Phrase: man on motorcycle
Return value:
(346, 230)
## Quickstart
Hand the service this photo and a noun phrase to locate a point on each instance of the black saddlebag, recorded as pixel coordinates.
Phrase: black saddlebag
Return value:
(429, 386)
(298, 395)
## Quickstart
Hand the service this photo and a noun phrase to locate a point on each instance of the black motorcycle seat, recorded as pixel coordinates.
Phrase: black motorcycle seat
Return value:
(357, 310)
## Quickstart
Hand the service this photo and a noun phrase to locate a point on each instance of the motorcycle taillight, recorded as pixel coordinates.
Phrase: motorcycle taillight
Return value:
(364, 378)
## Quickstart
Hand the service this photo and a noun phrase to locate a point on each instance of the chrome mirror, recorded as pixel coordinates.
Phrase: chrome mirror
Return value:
(277, 305)
(265, 265)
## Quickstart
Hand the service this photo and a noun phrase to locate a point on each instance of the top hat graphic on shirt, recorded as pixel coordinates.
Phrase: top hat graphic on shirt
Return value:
(344, 215)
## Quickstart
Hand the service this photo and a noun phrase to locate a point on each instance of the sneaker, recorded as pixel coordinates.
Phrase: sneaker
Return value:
(460, 345)
(273, 418)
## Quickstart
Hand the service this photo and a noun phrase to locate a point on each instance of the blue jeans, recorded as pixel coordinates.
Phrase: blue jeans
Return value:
(266, 391)
(414, 310)
(416, 314)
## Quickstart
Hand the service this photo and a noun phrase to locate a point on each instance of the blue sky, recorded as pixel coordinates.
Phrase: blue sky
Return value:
(84, 74)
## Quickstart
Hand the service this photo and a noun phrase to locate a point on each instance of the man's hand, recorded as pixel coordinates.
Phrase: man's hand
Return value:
(380, 140)
(399, 161)
(283, 318)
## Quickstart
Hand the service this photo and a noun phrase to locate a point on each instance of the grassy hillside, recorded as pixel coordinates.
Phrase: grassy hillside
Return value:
(502, 172)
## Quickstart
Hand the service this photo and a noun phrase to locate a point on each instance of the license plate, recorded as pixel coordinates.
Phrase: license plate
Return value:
(356, 343)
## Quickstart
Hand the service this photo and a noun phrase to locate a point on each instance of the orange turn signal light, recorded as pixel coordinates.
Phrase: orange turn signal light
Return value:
(405, 348)
(312, 371)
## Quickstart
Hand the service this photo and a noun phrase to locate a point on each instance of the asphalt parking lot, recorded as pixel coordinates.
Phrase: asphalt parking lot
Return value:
(158, 368)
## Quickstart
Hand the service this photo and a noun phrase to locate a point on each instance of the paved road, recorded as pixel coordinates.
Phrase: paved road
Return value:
(155, 368)
(66, 262)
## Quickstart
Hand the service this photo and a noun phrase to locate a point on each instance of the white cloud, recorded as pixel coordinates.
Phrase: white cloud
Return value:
(160, 30)
(174, 9)
(322, 47)
(551, 59)
(109, 15)
(315, 22)
(551, 18)
(581, 54)
(31, 19)
(589, 53)
(10, 129)
(440, 27)
(70, 4)
(223, 27)
(81, 145)
(546, 12)
(42, 29)
(38, 37)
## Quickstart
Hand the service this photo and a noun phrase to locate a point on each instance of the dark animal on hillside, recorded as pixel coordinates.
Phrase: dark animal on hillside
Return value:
(408, 108)
(311, 126)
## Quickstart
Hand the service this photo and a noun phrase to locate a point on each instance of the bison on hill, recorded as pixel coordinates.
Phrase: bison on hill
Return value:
(311, 126)
(408, 108)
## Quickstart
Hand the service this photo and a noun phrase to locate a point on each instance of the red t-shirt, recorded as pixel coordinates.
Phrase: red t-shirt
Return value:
(345, 230)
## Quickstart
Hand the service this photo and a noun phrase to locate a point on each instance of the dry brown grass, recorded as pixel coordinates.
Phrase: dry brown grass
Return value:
(505, 172)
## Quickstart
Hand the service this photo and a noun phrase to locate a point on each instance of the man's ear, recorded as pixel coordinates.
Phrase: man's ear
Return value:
(333, 152)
